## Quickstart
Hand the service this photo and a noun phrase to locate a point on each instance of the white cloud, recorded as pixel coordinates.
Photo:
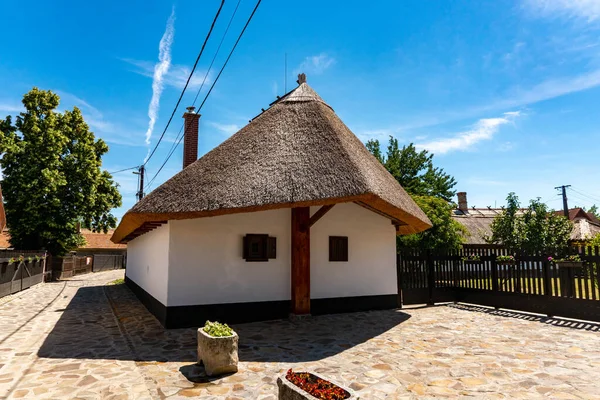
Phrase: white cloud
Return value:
(10, 107)
(228, 129)
(581, 9)
(315, 64)
(483, 130)
(160, 69)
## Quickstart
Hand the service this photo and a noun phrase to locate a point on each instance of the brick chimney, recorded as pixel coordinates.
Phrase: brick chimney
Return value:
(462, 201)
(190, 139)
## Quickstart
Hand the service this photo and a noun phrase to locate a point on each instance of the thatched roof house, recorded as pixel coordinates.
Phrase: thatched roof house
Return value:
(264, 190)
(297, 153)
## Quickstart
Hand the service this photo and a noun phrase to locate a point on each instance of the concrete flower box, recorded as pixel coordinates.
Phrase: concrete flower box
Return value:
(218, 354)
(289, 391)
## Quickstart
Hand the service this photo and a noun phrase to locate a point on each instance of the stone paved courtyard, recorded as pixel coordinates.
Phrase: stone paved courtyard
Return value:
(84, 339)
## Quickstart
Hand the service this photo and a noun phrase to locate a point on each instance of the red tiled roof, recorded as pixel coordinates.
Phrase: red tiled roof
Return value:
(100, 240)
(93, 240)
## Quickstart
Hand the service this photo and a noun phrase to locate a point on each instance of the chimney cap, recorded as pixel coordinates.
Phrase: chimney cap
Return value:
(301, 78)
(190, 109)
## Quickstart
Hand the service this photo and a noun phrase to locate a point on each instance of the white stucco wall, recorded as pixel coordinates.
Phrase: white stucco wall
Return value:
(371, 266)
(206, 264)
(148, 261)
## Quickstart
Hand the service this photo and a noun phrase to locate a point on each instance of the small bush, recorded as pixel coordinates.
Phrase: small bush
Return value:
(217, 329)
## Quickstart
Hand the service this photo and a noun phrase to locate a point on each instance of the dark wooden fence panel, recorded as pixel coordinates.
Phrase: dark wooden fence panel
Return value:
(20, 274)
(531, 283)
(107, 262)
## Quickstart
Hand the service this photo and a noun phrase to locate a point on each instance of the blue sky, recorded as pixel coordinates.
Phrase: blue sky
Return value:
(505, 93)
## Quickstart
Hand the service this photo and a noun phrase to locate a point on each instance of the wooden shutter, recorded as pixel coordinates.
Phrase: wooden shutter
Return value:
(256, 247)
(338, 248)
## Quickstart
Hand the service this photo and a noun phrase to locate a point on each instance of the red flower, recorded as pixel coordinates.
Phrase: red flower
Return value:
(316, 386)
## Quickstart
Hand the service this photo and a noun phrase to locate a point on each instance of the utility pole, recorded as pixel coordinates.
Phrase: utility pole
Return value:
(564, 196)
(140, 192)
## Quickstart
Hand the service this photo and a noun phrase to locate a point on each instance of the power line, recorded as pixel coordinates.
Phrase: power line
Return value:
(177, 138)
(187, 82)
(580, 198)
(216, 52)
(230, 53)
(585, 195)
(210, 90)
(123, 170)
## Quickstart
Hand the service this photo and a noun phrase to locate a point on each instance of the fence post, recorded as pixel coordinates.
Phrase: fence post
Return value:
(494, 274)
(399, 277)
(547, 284)
(430, 276)
(547, 278)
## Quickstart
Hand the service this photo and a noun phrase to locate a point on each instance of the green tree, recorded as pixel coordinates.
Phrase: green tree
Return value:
(52, 176)
(414, 170)
(446, 233)
(430, 187)
(536, 228)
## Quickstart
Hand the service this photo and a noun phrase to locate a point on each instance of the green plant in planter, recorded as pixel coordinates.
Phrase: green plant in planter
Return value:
(217, 329)
(472, 257)
(505, 259)
(571, 258)
(29, 259)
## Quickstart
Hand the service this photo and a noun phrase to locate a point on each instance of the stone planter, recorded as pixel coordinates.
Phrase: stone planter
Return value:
(218, 354)
(473, 262)
(289, 391)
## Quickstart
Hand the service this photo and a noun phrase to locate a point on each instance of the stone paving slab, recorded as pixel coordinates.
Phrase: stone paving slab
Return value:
(83, 339)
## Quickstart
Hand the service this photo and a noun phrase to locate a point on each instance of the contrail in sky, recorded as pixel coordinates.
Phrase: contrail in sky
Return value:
(160, 70)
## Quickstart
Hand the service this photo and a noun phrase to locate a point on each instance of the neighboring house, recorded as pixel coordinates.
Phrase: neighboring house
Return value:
(478, 221)
(291, 214)
(96, 243)
(585, 225)
(100, 243)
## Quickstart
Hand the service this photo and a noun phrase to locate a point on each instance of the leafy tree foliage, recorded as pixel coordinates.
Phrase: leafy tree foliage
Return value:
(535, 229)
(52, 177)
(414, 170)
(430, 187)
(446, 233)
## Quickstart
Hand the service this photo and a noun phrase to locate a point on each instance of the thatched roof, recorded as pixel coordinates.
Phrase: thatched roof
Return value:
(296, 153)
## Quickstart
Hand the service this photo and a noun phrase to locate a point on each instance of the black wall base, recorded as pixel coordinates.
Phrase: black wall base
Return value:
(237, 313)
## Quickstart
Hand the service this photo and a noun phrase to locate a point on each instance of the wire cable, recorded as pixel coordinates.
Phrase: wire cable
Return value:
(211, 88)
(123, 170)
(187, 82)
(216, 53)
(230, 53)
(177, 140)
(585, 195)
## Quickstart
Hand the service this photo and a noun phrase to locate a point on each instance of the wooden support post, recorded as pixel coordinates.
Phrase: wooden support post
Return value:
(300, 261)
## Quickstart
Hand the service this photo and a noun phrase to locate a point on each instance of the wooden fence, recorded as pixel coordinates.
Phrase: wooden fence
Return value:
(20, 270)
(532, 283)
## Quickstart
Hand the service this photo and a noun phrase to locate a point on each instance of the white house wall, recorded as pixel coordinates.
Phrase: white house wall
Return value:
(206, 264)
(371, 266)
(148, 261)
